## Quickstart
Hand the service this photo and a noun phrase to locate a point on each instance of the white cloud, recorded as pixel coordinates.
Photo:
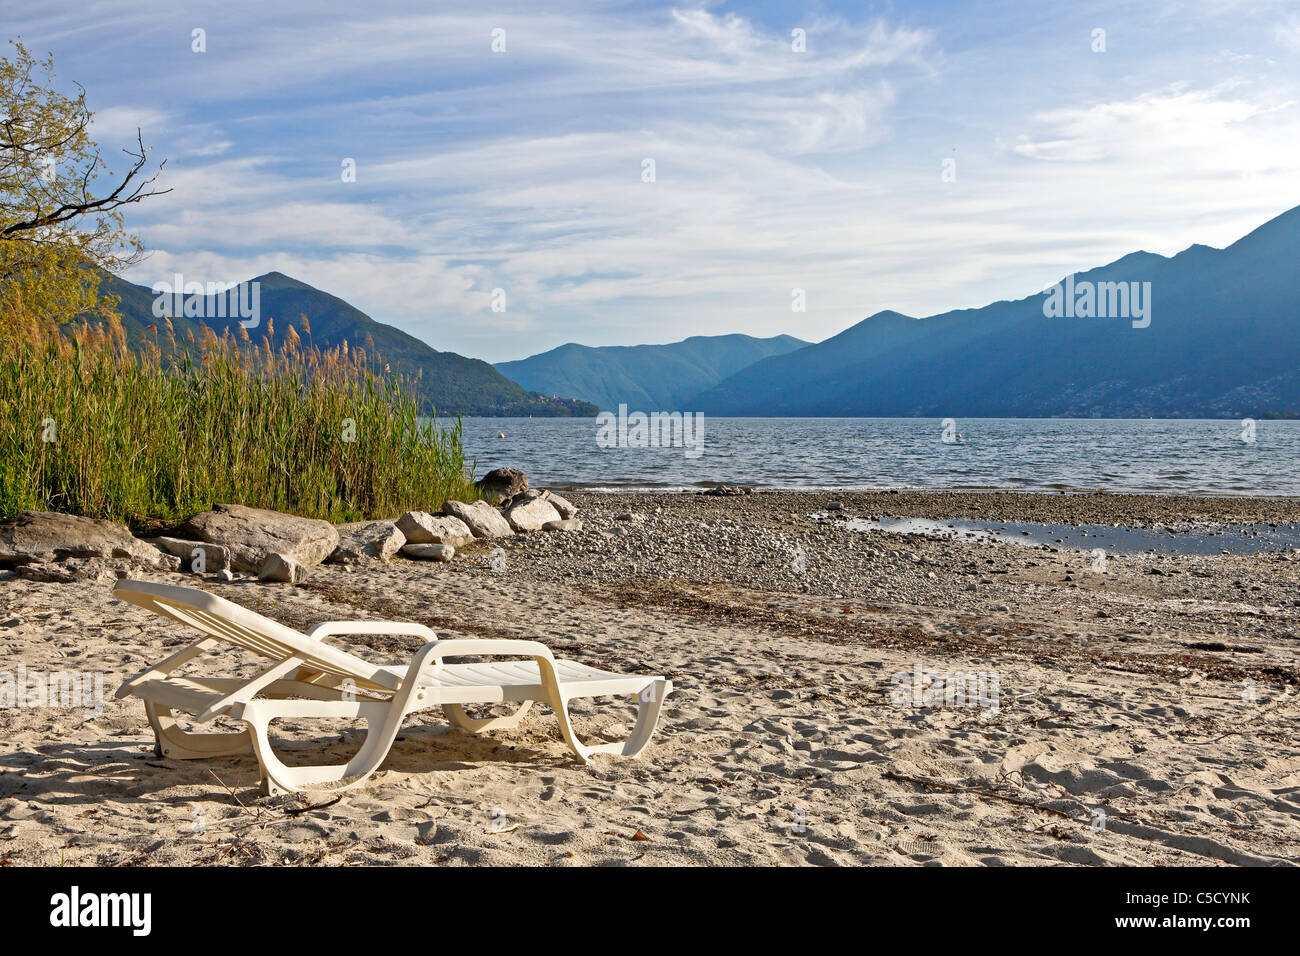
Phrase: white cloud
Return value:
(1288, 32)
(114, 126)
(1199, 124)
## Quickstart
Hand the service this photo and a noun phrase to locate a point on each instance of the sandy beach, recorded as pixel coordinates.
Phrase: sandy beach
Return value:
(1141, 712)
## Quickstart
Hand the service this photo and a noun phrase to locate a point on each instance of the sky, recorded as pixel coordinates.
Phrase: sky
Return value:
(629, 173)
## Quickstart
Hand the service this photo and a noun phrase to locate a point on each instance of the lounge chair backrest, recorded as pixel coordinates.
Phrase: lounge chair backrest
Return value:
(219, 618)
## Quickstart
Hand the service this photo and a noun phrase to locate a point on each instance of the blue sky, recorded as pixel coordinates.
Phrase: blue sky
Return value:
(774, 169)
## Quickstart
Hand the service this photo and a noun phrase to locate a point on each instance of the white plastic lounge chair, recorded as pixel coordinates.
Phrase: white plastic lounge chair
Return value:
(310, 679)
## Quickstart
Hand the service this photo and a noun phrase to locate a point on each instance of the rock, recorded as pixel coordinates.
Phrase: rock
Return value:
(98, 570)
(532, 514)
(503, 482)
(726, 491)
(225, 576)
(420, 527)
(363, 541)
(215, 557)
(566, 508)
(429, 552)
(630, 516)
(251, 535)
(280, 567)
(481, 518)
(44, 537)
(835, 506)
(45, 573)
(564, 524)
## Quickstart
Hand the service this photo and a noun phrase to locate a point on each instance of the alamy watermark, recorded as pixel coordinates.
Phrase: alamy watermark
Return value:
(74, 908)
(1086, 299)
(922, 688)
(59, 689)
(656, 430)
(194, 300)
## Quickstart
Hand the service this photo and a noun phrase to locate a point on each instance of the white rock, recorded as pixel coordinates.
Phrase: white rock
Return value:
(565, 507)
(215, 557)
(564, 524)
(481, 518)
(420, 527)
(531, 515)
(280, 567)
(363, 541)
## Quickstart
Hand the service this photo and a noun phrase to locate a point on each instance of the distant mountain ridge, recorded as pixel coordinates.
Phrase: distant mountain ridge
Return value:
(448, 383)
(645, 377)
(1223, 341)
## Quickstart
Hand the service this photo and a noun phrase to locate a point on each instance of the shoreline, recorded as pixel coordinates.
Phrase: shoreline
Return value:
(703, 488)
(1142, 509)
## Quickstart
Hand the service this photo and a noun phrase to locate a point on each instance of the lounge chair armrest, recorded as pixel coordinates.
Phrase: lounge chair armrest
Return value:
(491, 647)
(333, 628)
(430, 657)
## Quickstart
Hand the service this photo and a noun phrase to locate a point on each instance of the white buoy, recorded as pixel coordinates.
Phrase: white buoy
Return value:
(501, 434)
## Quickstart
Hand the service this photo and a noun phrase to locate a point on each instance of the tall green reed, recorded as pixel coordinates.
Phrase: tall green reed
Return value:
(89, 426)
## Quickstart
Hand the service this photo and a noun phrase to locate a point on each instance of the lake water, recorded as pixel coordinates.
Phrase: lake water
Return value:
(1196, 457)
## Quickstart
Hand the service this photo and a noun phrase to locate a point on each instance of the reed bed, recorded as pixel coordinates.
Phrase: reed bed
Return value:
(161, 431)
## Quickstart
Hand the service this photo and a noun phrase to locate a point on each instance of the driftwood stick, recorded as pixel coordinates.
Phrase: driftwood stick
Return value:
(978, 791)
(233, 794)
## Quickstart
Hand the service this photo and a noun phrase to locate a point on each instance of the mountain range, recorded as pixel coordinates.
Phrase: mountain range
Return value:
(644, 377)
(1217, 335)
(1223, 340)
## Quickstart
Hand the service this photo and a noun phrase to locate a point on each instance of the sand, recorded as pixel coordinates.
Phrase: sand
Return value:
(1146, 714)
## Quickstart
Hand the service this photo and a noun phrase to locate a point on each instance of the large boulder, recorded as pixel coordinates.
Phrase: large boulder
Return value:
(252, 534)
(363, 541)
(45, 537)
(531, 514)
(481, 518)
(503, 482)
(420, 527)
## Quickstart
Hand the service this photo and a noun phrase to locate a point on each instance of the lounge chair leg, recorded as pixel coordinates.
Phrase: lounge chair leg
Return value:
(171, 741)
(277, 778)
(456, 714)
(651, 701)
